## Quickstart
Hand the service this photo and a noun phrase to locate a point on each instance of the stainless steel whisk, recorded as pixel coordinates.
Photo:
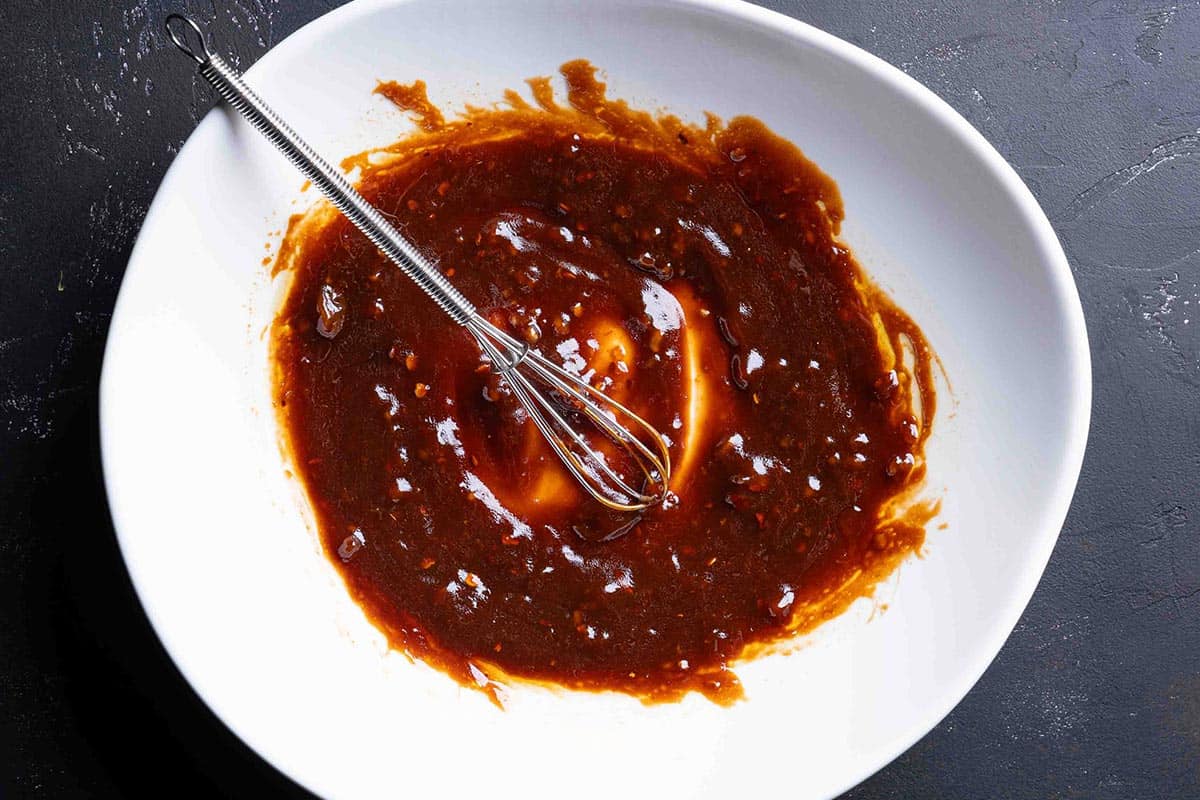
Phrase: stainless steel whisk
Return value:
(548, 392)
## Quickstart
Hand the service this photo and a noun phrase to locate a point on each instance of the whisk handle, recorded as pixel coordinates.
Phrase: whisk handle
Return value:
(188, 37)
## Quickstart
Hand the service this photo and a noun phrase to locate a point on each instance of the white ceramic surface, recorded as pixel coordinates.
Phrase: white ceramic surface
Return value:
(228, 569)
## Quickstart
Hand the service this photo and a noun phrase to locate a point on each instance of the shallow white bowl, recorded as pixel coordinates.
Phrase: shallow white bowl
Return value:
(229, 571)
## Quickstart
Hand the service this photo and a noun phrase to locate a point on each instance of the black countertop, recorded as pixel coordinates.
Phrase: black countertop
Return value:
(1096, 104)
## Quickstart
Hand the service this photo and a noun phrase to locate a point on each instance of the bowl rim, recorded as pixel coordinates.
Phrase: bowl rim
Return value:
(1063, 288)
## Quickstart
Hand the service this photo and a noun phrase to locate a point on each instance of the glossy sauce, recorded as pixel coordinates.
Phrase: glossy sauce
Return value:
(693, 273)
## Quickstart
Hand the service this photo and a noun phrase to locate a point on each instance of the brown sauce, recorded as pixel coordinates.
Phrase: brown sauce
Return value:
(693, 273)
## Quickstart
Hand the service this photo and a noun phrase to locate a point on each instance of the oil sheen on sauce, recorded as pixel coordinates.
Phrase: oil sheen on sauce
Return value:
(696, 275)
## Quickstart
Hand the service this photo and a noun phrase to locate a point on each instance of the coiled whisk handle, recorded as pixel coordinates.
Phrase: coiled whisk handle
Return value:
(228, 83)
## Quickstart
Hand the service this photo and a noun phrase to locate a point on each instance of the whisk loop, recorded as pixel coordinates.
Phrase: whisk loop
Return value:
(524, 368)
(548, 393)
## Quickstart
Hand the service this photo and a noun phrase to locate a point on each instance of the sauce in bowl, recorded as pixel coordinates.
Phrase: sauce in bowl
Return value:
(694, 274)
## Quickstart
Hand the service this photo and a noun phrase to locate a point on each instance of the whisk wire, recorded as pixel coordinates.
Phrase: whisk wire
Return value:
(595, 474)
(605, 422)
(571, 385)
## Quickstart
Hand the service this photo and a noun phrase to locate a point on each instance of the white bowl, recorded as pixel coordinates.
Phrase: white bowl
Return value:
(228, 569)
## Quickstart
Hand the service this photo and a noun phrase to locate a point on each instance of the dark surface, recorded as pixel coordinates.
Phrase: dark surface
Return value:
(1097, 105)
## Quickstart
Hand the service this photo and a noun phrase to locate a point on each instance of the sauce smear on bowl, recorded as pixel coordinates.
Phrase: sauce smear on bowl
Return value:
(693, 273)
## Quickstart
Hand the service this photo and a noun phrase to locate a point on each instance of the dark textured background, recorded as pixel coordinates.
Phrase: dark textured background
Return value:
(1097, 105)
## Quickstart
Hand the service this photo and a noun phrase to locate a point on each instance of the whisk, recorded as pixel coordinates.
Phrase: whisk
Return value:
(555, 399)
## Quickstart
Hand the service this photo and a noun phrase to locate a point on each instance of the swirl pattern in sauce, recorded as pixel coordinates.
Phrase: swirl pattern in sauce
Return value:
(696, 275)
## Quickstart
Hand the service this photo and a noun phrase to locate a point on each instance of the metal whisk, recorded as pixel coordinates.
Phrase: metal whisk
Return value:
(549, 393)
